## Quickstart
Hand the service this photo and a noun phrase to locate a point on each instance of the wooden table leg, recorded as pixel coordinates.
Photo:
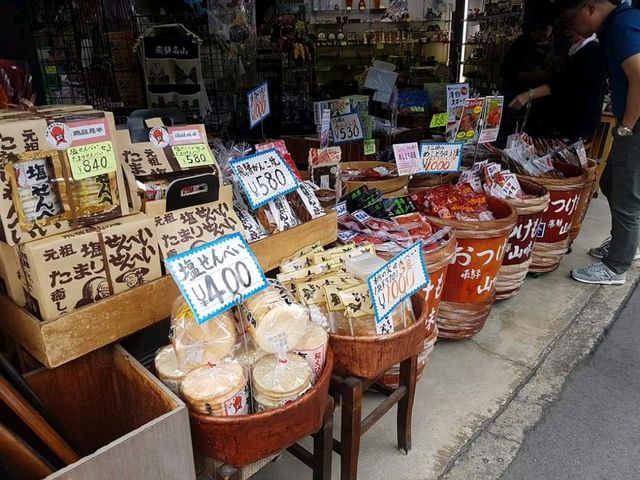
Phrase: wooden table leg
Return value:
(227, 472)
(323, 446)
(351, 393)
(408, 379)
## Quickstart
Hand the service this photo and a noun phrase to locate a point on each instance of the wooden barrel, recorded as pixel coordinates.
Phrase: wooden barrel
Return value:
(517, 257)
(385, 186)
(244, 439)
(421, 181)
(438, 263)
(585, 199)
(369, 357)
(552, 240)
(469, 292)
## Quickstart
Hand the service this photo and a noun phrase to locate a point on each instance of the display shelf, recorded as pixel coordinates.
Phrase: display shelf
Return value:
(486, 18)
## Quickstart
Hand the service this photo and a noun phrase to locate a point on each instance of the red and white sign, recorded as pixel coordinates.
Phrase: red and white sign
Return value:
(59, 136)
(259, 105)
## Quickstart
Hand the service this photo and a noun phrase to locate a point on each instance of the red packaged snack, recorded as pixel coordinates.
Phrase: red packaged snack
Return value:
(418, 227)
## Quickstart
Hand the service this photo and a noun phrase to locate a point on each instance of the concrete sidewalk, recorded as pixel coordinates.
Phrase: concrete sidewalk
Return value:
(477, 396)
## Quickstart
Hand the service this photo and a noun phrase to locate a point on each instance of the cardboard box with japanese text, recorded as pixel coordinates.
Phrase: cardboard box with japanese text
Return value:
(11, 276)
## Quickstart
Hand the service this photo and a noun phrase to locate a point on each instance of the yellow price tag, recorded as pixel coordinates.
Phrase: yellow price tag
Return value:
(380, 46)
(439, 120)
(369, 147)
(92, 160)
(189, 156)
(51, 70)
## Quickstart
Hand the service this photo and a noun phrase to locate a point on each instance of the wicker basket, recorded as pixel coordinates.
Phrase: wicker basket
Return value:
(585, 199)
(385, 186)
(420, 182)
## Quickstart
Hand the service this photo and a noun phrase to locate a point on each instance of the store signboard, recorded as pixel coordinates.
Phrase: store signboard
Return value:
(259, 105)
(492, 119)
(217, 276)
(346, 128)
(457, 93)
(407, 157)
(264, 176)
(440, 157)
(395, 282)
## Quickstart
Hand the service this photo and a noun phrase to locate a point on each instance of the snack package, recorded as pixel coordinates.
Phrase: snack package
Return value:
(313, 348)
(196, 344)
(305, 203)
(168, 369)
(278, 380)
(323, 171)
(221, 390)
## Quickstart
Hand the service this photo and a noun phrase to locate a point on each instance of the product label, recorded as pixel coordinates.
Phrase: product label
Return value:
(259, 105)
(92, 160)
(190, 156)
(346, 128)
(238, 404)
(407, 157)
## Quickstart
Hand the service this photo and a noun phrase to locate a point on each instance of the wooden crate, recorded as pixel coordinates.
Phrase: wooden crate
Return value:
(56, 342)
(122, 421)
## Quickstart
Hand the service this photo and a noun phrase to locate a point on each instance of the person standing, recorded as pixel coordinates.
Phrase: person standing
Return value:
(618, 27)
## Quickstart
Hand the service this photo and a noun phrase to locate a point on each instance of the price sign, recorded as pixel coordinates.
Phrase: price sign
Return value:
(92, 160)
(346, 128)
(325, 127)
(439, 120)
(264, 176)
(396, 281)
(370, 147)
(259, 105)
(407, 157)
(441, 157)
(216, 276)
(189, 156)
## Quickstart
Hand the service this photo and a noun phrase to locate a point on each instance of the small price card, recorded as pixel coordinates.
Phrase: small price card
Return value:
(370, 147)
(325, 128)
(92, 160)
(395, 282)
(407, 157)
(264, 176)
(441, 157)
(439, 120)
(346, 128)
(189, 156)
(259, 105)
(217, 276)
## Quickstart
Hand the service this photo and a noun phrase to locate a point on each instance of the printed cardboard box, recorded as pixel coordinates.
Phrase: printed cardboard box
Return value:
(11, 276)
(39, 195)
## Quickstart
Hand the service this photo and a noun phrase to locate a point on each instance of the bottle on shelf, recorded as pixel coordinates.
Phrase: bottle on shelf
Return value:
(362, 5)
(348, 4)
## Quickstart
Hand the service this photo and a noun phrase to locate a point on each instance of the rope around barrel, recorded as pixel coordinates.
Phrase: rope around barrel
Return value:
(547, 256)
(462, 320)
(510, 279)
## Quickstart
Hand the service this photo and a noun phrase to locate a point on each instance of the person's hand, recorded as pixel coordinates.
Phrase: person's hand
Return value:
(520, 101)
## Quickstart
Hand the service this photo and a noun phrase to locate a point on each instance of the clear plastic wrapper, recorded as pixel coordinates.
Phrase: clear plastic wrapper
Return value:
(221, 390)
(168, 369)
(279, 380)
(313, 348)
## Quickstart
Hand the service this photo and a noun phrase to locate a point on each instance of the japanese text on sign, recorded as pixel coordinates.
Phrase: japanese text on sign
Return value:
(259, 105)
(440, 157)
(397, 280)
(264, 176)
(92, 160)
(439, 120)
(370, 147)
(189, 156)
(407, 157)
(324, 128)
(346, 128)
(216, 276)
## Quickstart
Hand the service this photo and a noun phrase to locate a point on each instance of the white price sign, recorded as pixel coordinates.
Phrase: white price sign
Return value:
(407, 157)
(396, 281)
(259, 105)
(264, 176)
(346, 128)
(216, 276)
(441, 157)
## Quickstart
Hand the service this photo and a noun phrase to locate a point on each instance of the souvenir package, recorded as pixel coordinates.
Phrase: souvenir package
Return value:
(313, 348)
(491, 179)
(305, 203)
(323, 171)
(220, 390)
(369, 174)
(168, 369)
(280, 379)
(281, 148)
(454, 202)
(11, 275)
(536, 156)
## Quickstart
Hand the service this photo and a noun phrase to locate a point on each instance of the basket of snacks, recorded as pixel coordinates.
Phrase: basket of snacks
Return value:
(381, 175)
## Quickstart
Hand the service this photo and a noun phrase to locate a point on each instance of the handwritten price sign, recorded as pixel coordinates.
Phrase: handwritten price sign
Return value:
(264, 176)
(439, 120)
(92, 160)
(216, 276)
(395, 282)
(441, 157)
(189, 156)
(259, 105)
(407, 157)
(346, 128)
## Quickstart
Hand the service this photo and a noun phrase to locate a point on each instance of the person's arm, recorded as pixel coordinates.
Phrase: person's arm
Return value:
(526, 97)
(631, 68)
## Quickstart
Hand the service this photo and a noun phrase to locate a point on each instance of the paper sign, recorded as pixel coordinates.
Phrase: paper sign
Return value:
(407, 157)
(492, 119)
(369, 147)
(470, 121)
(264, 176)
(92, 160)
(346, 128)
(396, 281)
(189, 156)
(216, 276)
(339, 106)
(325, 127)
(440, 157)
(259, 105)
(439, 120)
(184, 135)
(456, 95)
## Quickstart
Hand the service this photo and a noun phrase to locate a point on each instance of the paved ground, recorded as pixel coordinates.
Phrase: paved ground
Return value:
(593, 431)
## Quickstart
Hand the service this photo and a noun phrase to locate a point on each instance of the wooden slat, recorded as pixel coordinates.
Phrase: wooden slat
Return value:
(18, 456)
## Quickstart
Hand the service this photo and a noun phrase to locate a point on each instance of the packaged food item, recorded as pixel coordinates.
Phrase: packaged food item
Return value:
(278, 381)
(323, 171)
(458, 202)
(254, 230)
(201, 344)
(382, 172)
(305, 203)
(221, 390)
(364, 266)
(168, 369)
(313, 348)
(281, 148)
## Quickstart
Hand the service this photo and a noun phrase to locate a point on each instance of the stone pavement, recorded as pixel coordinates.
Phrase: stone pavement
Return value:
(477, 396)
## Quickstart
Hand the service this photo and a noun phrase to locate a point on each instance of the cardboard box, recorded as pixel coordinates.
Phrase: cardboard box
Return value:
(39, 196)
(11, 276)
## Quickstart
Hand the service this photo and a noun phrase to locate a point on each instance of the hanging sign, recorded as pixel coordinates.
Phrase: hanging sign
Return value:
(346, 128)
(264, 176)
(217, 276)
(439, 120)
(407, 157)
(325, 127)
(92, 160)
(492, 119)
(189, 156)
(395, 282)
(470, 121)
(259, 105)
(440, 157)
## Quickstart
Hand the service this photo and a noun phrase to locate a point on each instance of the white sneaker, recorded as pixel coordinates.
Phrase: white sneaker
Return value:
(598, 274)
(602, 251)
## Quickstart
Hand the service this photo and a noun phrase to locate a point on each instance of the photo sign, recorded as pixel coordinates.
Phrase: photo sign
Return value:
(395, 282)
(259, 105)
(217, 276)
(346, 128)
(264, 176)
(407, 157)
(441, 157)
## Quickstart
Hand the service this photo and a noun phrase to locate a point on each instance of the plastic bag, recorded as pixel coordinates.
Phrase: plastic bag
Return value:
(279, 380)
(219, 390)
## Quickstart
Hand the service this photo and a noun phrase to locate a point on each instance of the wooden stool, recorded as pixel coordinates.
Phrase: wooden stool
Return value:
(350, 391)
(319, 461)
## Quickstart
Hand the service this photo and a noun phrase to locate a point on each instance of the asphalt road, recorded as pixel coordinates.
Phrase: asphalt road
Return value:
(593, 431)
